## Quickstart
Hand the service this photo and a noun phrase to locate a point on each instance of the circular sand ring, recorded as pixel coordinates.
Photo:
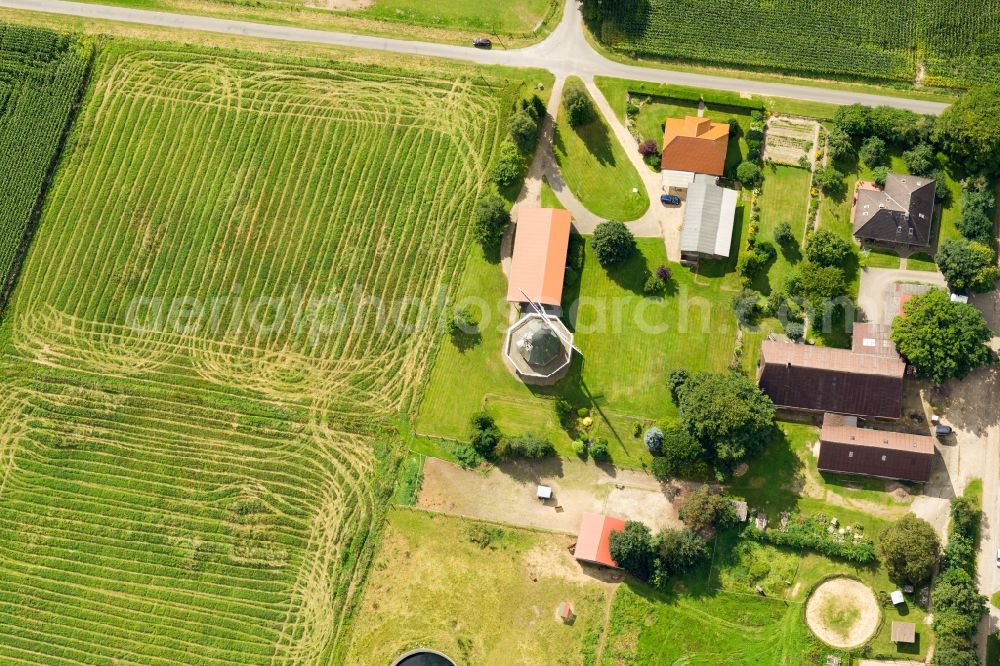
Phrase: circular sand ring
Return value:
(850, 600)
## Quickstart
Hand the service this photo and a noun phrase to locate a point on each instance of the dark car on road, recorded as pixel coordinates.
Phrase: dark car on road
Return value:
(482, 43)
(671, 199)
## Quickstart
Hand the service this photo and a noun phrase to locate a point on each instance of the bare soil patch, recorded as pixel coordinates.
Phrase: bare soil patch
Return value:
(843, 612)
(341, 5)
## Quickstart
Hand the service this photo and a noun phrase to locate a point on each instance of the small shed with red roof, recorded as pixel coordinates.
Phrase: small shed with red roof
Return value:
(593, 543)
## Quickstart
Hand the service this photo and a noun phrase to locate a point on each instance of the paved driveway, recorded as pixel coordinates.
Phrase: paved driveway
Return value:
(875, 295)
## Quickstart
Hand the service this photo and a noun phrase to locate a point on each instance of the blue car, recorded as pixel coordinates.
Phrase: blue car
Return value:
(671, 199)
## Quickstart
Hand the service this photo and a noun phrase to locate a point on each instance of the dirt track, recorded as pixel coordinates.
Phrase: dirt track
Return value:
(843, 594)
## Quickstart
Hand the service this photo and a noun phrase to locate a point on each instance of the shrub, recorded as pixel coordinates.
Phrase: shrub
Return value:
(489, 220)
(705, 508)
(654, 285)
(467, 456)
(811, 534)
(653, 439)
(879, 174)
(583, 412)
(508, 166)
(485, 434)
(795, 330)
(649, 148)
(525, 445)
(564, 410)
(524, 130)
(613, 243)
(664, 273)
(599, 450)
(746, 304)
(872, 152)
(676, 380)
(909, 549)
(958, 606)
(783, 234)
(578, 105)
(825, 248)
(748, 173)
(462, 321)
(580, 448)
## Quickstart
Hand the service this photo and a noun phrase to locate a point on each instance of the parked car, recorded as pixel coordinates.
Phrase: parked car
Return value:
(998, 557)
(942, 430)
(482, 43)
(671, 199)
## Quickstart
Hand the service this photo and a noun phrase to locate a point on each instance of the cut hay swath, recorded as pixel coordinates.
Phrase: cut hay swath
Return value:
(185, 490)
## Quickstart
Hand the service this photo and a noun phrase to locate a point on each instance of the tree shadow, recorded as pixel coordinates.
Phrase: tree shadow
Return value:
(631, 274)
(791, 252)
(466, 341)
(596, 137)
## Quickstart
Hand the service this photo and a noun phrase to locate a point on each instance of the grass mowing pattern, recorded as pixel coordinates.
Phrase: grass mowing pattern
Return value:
(198, 495)
(41, 73)
(874, 40)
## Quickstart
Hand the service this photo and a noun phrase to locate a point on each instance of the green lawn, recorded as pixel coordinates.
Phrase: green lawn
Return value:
(478, 592)
(880, 257)
(596, 168)
(784, 198)
(549, 199)
(921, 261)
(622, 369)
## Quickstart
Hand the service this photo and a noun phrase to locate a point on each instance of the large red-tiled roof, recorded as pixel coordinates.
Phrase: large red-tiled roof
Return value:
(593, 543)
(538, 263)
(694, 144)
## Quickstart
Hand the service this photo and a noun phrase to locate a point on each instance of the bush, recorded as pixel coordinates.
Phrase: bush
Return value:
(810, 534)
(654, 285)
(525, 446)
(879, 174)
(748, 173)
(489, 220)
(564, 410)
(613, 243)
(825, 248)
(705, 508)
(485, 434)
(746, 304)
(462, 321)
(467, 456)
(578, 105)
(583, 412)
(508, 166)
(649, 148)
(676, 380)
(599, 450)
(524, 130)
(580, 448)
(653, 439)
(795, 330)
(957, 604)
(872, 152)
(909, 549)
(664, 273)
(783, 234)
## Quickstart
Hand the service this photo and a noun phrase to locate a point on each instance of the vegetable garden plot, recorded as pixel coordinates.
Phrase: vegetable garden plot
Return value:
(182, 489)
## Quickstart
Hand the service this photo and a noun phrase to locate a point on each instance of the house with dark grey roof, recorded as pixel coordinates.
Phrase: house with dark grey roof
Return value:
(901, 213)
(864, 381)
(847, 449)
(709, 216)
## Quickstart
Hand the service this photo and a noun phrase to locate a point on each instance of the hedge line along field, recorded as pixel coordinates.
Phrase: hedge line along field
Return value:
(217, 325)
(41, 74)
(940, 42)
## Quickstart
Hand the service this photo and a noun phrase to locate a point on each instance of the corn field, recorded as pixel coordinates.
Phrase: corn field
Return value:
(41, 73)
(185, 491)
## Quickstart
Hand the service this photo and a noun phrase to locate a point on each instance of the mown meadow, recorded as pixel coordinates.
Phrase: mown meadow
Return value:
(226, 309)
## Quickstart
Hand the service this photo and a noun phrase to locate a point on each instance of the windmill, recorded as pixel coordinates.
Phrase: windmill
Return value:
(545, 318)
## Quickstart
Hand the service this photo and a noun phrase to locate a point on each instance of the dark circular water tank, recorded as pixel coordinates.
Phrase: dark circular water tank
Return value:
(423, 658)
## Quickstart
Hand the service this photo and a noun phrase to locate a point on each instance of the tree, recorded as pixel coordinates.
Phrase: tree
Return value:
(978, 205)
(632, 549)
(578, 105)
(968, 265)
(676, 380)
(525, 445)
(872, 151)
(955, 657)
(564, 410)
(680, 454)
(599, 450)
(508, 165)
(941, 339)
(727, 414)
(893, 125)
(705, 508)
(748, 173)
(969, 130)
(524, 130)
(462, 321)
(854, 119)
(485, 434)
(879, 174)
(909, 548)
(817, 284)
(681, 550)
(613, 243)
(653, 439)
(830, 180)
(921, 160)
(839, 144)
(783, 234)
(489, 220)
(825, 248)
(956, 598)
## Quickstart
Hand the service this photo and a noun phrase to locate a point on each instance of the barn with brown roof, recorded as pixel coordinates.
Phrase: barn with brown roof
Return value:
(593, 543)
(824, 379)
(692, 145)
(847, 449)
(538, 263)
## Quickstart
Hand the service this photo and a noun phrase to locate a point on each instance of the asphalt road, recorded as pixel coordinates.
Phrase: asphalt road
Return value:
(564, 52)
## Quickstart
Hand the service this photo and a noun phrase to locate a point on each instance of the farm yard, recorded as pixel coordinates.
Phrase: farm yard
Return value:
(929, 40)
(216, 329)
(40, 78)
